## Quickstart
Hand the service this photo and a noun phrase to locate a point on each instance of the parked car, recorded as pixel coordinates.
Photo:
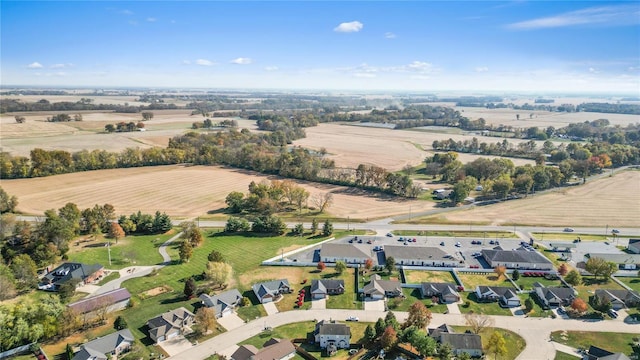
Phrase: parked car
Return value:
(389, 235)
(568, 230)
(414, 240)
(442, 243)
(612, 313)
(561, 310)
(350, 240)
(615, 231)
(369, 242)
(458, 244)
(360, 241)
(353, 318)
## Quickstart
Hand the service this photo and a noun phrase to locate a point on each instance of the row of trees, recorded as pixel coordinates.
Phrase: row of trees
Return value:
(17, 105)
(145, 224)
(124, 127)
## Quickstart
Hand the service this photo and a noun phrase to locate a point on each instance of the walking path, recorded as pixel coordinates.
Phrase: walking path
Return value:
(132, 272)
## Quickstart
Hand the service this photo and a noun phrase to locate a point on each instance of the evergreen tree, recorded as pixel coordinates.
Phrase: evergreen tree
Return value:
(190, 288)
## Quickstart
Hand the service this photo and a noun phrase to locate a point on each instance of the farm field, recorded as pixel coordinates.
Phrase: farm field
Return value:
(194, 191)
(613, 201)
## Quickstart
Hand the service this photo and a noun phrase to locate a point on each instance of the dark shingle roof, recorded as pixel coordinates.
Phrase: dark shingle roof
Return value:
(99, 347)
(625, 296)
(269, 287)
(322, 285)
(554, 293)
(438, 288)
(515, 256)
(462, 341)
(222, 301)
(68, 271)
(332, 328)
(507, 292)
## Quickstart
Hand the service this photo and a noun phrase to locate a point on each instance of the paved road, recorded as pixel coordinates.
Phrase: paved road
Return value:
(535, 331)
(138, 271)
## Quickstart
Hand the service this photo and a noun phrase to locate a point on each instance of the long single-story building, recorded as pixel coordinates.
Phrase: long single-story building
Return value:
(517, 259)
(624, 261)
(113, 300)
(349, 253)
(420, 256)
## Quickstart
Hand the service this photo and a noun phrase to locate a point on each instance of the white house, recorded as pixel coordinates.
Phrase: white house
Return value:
(330, 334)
(419, 256)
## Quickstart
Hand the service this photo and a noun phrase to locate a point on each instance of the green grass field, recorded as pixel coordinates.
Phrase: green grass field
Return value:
(470, 281)
(614, 342)
(632, 282)
(590, 285)
(413, 295)
(490, 308)
(114, 275)
(515, 343)
(568, 236)
(129, 251)
(564, 356)
(472, 234)
(526, 283)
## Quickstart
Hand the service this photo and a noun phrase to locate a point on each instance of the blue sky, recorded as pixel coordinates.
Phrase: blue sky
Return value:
(585, 46)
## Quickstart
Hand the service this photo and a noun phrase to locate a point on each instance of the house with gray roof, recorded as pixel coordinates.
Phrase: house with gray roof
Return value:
(634, 246)
(460, 342)
(223, 303)
(170, 324)
(596, 353)
(624, 261)
(378, 289)
(349, 253)
(106, 347)
(445, 292)
(517, 259)
(553, 296)
(332, 335)
(506, 296)
(420, 256)
(619, 299)
(269, 291)
(81, 273)
(273, 349)
(110, 301)
(321, 288)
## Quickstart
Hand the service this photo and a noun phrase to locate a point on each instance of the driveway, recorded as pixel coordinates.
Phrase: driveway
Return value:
(374, 305)
(231, 321)
(319, 304)
(270, 308)
(176, 345)
(453, 309)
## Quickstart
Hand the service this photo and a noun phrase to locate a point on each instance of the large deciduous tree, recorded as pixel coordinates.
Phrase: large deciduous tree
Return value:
(206, 319)
(7, 203)
(389, 338)
(599, 267)
(497, 345)
(186, 251)
(218, 273)
(579, 305)
(340, 267)
(574, 278)
(115, 231)
(419, 316)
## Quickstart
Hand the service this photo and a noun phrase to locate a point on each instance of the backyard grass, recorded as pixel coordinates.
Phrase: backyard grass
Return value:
(590, 285)
(470, 281)
(112, 276)
(632, 282)
(537, 310)
(489, 308)
(564, 356)
(410, 297)
(131, 250)
(472, 234)
(614, 342)
(417, 276)
(248, 313)
(515, 343)
(526, 283)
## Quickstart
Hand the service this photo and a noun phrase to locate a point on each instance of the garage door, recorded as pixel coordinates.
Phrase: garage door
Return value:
(172, 335)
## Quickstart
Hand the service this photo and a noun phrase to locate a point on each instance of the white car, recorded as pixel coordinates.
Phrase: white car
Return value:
(458, 244)
(353, 318)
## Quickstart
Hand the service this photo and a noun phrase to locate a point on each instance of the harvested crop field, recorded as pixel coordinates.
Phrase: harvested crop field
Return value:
(613, 201)
(182, 191)
(350, 146)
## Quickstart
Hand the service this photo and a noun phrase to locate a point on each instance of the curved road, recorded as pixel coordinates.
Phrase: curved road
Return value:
(535, 331)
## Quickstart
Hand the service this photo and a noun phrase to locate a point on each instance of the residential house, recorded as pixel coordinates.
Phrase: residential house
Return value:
(223, 303)
(445, 292)
(506, 296)
(273, 349)
(321, 288)
(271, 290)
(553, 296)
(442, 194)
(460, 342)
(349, 253)
(624, 261)
(331, 335)
(170, 324)
(517, 259)
(378, 289)
(420, 256)
(82, 273)
(619, 298)
(109, 301)
(596, 353)
(634, 246)
(107, 347)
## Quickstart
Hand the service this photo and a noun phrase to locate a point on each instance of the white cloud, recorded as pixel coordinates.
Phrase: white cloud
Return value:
(389, 35)
(242, 61)
(204, 62)
(482, 69)
(151, 19)
(353, 26)
(604, 15)
(364, 75)
(420, 66)
(35, 65)
(270, 68)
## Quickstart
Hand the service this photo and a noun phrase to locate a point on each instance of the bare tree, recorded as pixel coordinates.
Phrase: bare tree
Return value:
(477, 322)
(20, 119)
(322, 201)
(206, 319)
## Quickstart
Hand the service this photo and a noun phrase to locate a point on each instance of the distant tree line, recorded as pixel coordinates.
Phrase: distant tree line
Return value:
(124, 127)
(16, 105)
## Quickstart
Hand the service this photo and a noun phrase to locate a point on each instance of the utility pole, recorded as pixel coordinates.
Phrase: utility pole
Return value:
(109, 251)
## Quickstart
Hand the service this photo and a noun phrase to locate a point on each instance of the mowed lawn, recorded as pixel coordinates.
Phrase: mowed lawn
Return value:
(515, 342)
(632, 282)
(614, 342)
(410, 297)
(590, 285)
(526, 282)
(487, 308)
(471, 280)
(129, 251)
(417, 276)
